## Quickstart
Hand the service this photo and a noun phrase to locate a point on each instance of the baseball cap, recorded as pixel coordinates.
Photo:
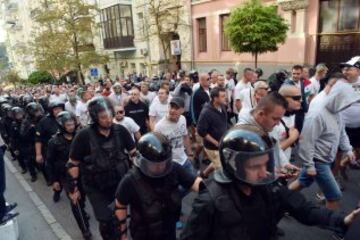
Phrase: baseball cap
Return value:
(178, 101)
(353, 62)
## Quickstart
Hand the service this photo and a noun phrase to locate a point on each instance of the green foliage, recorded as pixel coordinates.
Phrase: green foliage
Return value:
(255, 28)
(39, 77)
(63, 40)
(11, 77)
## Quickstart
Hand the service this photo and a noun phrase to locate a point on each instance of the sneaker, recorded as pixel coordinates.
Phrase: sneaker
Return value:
(320, 198)
(33, 178)
(10, 207)
(8, 217)
(56, 196)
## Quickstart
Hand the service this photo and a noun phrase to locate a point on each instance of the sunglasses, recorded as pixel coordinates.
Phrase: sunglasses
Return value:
(120, 112)
(295, 98)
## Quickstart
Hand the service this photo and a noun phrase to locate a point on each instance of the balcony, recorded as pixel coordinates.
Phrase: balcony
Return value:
(118, 42)
(12, 7)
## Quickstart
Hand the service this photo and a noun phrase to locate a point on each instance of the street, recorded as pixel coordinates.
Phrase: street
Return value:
(33, 226)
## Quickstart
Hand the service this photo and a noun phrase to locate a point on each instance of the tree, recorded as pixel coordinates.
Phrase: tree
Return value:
(63, 40)
(39, 77)
(11, 77)
(163, 20)
(255, 28)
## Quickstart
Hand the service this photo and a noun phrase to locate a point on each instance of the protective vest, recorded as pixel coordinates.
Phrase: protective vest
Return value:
(157, 209)
(62, 149)
(229, 222)
(107, 163)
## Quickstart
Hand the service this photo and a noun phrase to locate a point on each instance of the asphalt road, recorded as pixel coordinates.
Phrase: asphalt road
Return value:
(31, 223)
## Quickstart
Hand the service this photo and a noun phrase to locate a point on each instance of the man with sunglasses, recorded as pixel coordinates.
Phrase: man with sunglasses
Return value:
(285, 132)
(127, 122)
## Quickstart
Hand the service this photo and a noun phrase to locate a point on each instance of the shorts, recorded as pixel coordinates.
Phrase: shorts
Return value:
(214, 157)
(354, 136)
(324, 178)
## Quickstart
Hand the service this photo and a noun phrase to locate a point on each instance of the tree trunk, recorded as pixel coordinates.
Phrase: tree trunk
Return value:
(256, 59)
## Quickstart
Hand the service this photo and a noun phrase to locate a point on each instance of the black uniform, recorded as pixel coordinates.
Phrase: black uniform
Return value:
(103, 162)
(57, 157)
(45, 129)
(155, 203)
(27, 145)
(222, 211)
(15, 143)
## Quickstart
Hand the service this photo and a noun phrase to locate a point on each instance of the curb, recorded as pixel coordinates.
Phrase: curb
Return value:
(56, 227)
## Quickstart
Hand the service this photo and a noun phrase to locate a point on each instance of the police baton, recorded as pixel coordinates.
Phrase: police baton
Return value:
(84, 226)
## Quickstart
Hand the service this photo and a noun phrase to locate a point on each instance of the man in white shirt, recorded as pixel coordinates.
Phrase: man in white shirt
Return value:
(285, 132)
(250, 97)
(321, 71)
(72, 102)
(244, 83)
(127, 122)
(117, 96)
(351, 115)
(159, 107)
(81, 108)
(146, 95)
(56, 95)
(173, 126)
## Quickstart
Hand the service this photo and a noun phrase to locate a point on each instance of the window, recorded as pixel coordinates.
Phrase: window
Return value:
(339, 15)
(117, 27)
(225, 42)
(293, 21)
(202, 34)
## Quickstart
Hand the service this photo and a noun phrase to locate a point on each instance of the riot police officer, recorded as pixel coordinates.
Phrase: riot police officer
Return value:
(57, 157)
(45, 129)
(151, 189)
(18, 117)
(245, 201)
(34, 113)
(98, 154)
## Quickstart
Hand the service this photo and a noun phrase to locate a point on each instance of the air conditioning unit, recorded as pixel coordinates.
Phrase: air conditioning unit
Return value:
(144, 51)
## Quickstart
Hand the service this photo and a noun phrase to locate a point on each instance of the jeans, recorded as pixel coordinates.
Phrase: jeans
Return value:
(324, 178)
(189, 168)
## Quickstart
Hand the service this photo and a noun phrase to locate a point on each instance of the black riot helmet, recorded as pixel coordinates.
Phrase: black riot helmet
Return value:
(34, 110)
(44, 101)
(246, 157)
(98, 105)
(55, 104)
(18, 113)
(26, 99)
(64, 118)
(6, 110)
(154, 155)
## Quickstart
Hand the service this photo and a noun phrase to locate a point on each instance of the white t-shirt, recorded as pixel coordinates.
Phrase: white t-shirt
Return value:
(279, 133)
(158, 109)
(60, 98)
(351, 115)
(70, 108)
(82, 113)
(238, 88)
(149, 97)
(314, 86)
(247, 102)
(130, 125)
(175, 132)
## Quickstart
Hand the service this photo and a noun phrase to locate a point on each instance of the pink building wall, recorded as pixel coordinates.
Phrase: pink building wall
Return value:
(299, 48)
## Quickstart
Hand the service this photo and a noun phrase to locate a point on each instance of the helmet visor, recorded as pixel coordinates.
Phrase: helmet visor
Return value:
(154, 169)
(254, 168)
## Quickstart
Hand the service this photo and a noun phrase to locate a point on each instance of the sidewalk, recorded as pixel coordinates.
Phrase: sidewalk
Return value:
(35, 220)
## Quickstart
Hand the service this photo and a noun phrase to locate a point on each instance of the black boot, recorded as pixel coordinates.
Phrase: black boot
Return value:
(33, 178)
(56, 196)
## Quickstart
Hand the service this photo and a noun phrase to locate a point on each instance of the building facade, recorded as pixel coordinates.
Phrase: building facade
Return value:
(18, 24)
(319, 31)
